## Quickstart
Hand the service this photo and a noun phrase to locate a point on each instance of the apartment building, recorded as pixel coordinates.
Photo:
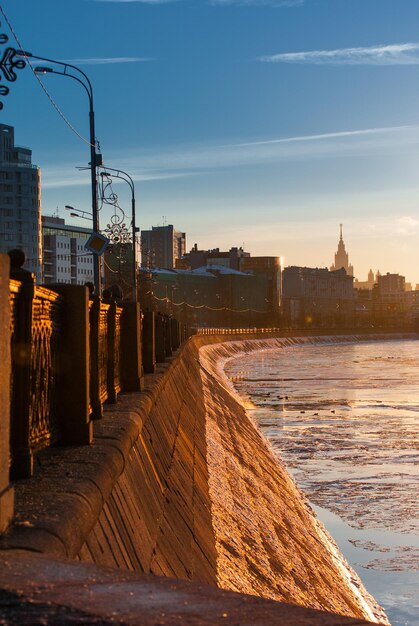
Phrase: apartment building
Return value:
(20, 201)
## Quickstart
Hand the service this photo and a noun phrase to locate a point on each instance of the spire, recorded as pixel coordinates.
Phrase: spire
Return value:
(341, 256)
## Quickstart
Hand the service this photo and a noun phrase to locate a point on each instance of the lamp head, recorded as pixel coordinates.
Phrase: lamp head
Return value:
(40, 69)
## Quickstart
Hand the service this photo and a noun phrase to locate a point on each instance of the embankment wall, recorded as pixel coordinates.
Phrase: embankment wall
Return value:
(179, 482)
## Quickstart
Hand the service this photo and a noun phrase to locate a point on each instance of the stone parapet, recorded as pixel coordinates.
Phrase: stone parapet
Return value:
(178, 482)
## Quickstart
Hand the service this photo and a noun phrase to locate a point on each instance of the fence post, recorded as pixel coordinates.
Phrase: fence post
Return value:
(94, 316)
(21, 351)
(167, 336)
(132, 376)
(149, 342)
(73, 364)
(175, 333)
(6, 491)
(114, 352)
(160, 338)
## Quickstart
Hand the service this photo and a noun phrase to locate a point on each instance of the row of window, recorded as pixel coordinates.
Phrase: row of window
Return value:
(71, 234)
(19, 176)
(63, 280)
(64, 269)
(18, 238)
(19, 189)
(88, 260)
(20, 213)
(18, 201)
(20, 226)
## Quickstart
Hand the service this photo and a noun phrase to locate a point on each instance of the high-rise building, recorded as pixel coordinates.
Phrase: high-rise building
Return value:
(65, 258)
(161, 246)
(342, 258)
(20, 201)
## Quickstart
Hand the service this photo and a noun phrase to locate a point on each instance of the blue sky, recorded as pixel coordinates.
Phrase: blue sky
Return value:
(263, 122)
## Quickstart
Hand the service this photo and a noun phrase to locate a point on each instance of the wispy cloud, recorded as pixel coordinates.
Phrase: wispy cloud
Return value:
(407, 225)
(329, 136)
(207, 158)
(108, 60)
(58, 177)
(140, 1)
(185, 161)
(394, 54)
(238, 3)
(258, 3)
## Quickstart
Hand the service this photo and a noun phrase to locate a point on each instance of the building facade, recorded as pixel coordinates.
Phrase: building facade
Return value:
(268, 268)
(214, 257)
(317, 297)
(161, 246)
(389, 300)
(65, 259)
(216, 296)
(20, 202)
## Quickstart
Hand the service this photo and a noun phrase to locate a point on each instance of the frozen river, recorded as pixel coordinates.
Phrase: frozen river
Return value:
(344, 419)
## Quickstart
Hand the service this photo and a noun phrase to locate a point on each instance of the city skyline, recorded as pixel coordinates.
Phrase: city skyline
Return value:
(258, 123)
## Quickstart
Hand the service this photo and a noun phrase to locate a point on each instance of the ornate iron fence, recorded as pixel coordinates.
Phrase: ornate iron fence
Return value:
(114, 314)
(103, 352)
(35, 328)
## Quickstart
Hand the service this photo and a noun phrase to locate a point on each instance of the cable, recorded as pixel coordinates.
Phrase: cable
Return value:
(50, 98)
(203, 306)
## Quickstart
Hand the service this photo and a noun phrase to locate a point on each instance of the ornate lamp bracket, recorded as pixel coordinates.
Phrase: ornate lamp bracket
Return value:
(9, 63)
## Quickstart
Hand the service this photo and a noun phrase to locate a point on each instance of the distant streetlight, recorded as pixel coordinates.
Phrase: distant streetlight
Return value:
(95, 159)
(78, 213)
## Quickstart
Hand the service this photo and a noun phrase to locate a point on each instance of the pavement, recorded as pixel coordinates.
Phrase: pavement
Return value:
(39, 590)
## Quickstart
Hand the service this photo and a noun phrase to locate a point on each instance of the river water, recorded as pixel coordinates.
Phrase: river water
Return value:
(344, 419)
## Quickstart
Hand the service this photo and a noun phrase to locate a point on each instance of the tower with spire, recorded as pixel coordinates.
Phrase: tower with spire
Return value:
(342, 257)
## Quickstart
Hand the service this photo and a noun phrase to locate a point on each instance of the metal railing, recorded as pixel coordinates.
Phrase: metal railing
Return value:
(70, 356)
(236, 331)
(35, 327)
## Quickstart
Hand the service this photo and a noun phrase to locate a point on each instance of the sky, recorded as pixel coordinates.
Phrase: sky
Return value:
(255, 123)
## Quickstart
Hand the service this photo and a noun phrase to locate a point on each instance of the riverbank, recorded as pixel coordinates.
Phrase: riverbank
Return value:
(343, 418)
(179, 483)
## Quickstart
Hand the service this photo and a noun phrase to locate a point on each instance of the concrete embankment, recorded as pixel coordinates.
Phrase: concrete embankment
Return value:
(180, 483)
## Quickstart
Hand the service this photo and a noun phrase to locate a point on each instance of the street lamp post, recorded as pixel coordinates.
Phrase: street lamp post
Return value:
(115, 173)
(95, 159)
